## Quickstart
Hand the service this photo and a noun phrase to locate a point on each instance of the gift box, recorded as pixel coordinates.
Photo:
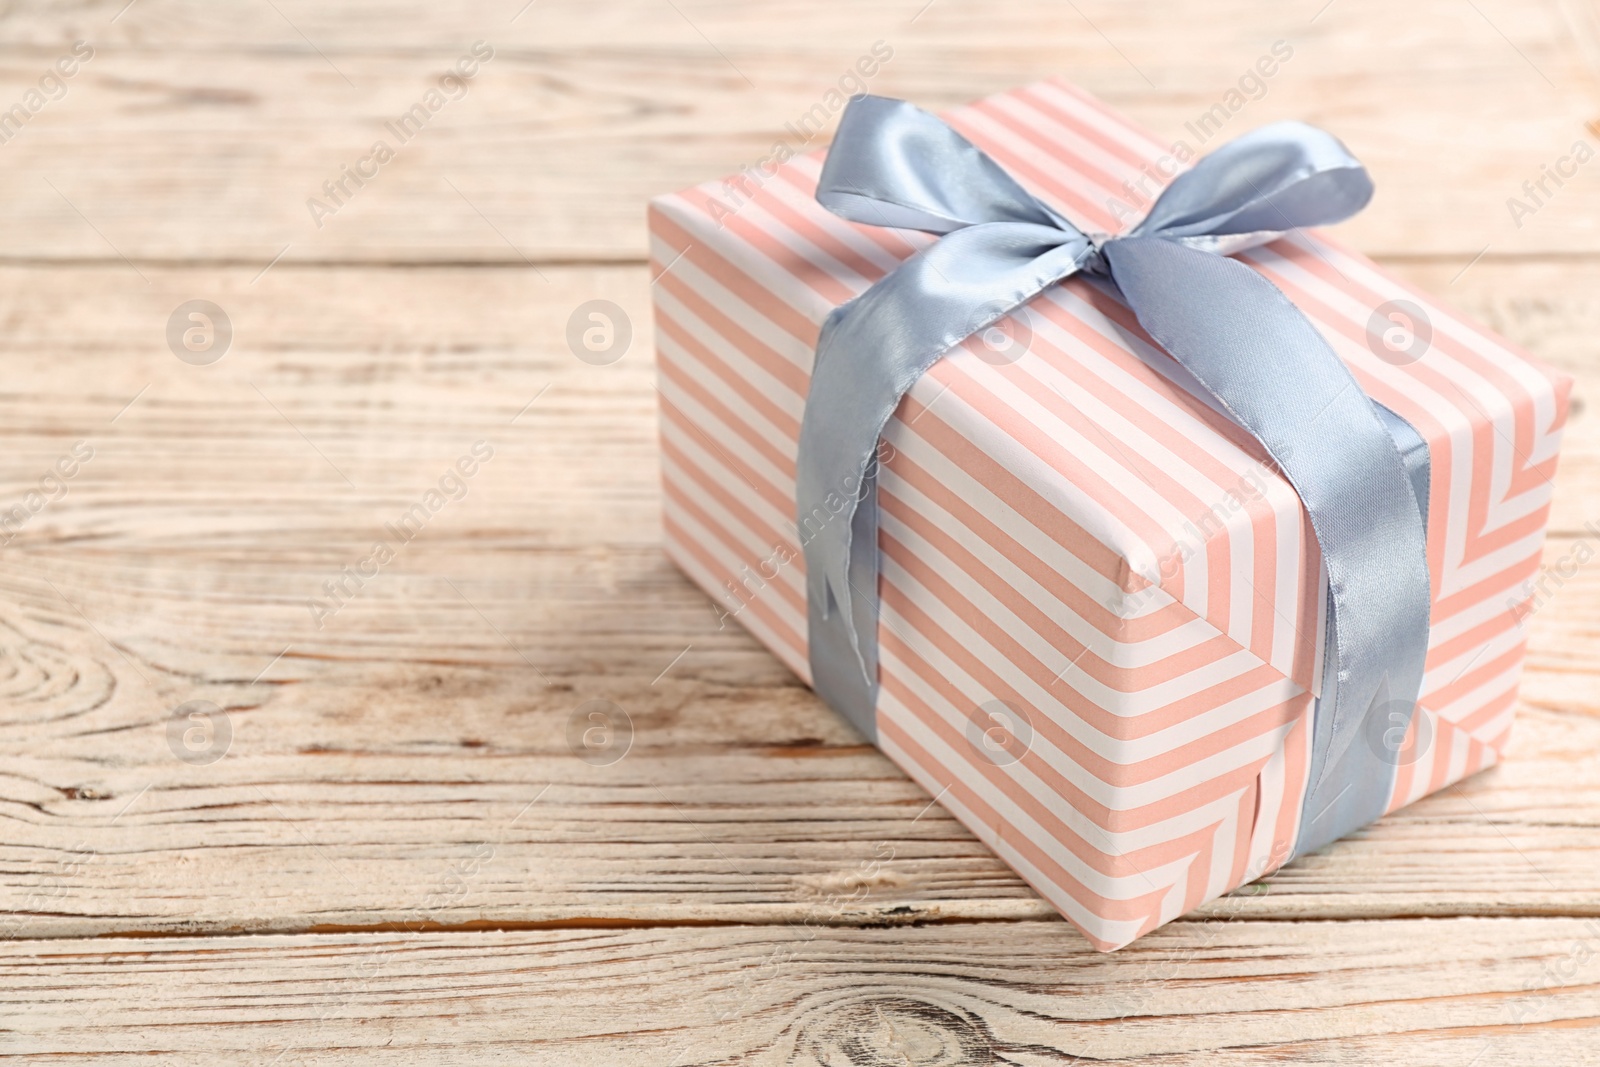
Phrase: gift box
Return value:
(1103, 609)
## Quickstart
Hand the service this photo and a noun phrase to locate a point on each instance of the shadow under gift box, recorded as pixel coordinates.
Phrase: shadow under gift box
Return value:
(1102, 605)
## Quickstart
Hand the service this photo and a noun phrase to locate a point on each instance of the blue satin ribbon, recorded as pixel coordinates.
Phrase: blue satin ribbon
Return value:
(894, 165)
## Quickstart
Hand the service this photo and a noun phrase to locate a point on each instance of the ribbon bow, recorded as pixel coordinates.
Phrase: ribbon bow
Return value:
(894, 165)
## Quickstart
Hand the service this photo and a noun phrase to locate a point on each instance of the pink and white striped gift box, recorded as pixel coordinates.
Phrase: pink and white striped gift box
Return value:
(1102, 606)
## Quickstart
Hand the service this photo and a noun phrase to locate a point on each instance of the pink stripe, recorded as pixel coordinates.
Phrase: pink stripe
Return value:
(1123, 679)
(1142, 628)
(1116, 864)
(802, 261)
(736, 281)
(1121, 727)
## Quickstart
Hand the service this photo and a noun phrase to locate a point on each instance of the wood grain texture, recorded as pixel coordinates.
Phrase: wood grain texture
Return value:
(1501, 993)
(400, 854)
(193, 137)
(412, 728)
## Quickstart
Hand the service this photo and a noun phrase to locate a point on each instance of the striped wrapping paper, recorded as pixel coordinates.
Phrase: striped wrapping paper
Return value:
(1102, 606)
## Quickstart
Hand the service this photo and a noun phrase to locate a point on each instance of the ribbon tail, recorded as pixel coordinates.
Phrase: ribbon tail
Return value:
(1264, 362)
(872, 351)
(842, 639)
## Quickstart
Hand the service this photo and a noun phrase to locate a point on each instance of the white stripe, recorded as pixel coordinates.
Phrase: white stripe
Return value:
(1117, 932)
(1036, 539)
(718, 471)
(960, 766)
(1054, 701)
(770, 274)
(692, 368)
(689, 409)
(1113, 647)
(785, 344)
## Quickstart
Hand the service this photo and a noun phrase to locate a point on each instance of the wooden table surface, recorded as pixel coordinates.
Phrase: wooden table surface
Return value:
(375, 838)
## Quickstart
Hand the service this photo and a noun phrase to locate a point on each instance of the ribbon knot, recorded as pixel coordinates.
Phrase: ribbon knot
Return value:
(1241, 339)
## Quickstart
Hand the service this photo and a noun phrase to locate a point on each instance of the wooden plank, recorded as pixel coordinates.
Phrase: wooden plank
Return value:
(411, 731)
(195, 137)
(1492, 993)
(398, 808)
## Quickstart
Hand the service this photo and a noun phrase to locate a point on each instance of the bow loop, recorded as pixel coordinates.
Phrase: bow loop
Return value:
(1240, 339)
(893, 164)
(1281, 177)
